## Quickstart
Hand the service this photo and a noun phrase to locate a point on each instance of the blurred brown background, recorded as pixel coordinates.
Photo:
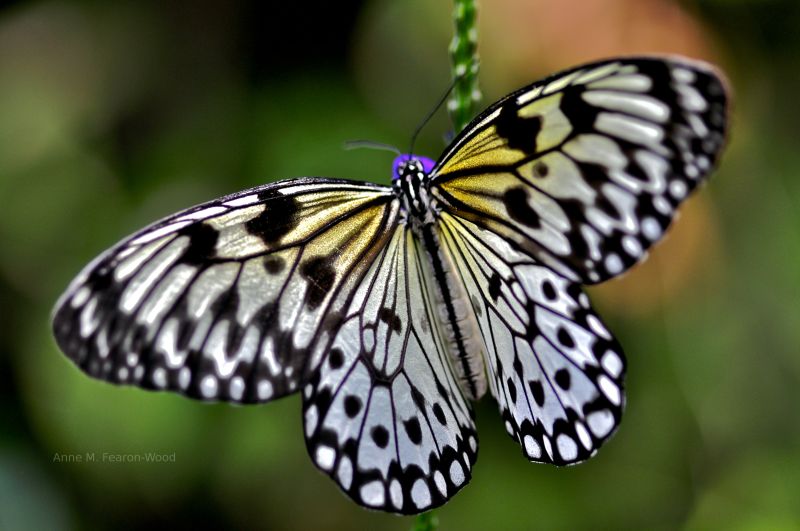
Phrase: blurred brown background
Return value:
(113, 114)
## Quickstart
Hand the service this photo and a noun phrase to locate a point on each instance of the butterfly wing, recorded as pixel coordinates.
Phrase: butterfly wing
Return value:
(569, 181)
(224, 300)
(585, 170)
(383, 414)
(554, 369)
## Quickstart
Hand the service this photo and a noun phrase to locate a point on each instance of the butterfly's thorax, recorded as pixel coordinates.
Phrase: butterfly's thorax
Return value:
(455, 316)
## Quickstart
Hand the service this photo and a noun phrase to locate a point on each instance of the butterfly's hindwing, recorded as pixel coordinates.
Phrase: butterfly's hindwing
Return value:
(585, 169)
(223, 301)
(383, 414)
(555, 370)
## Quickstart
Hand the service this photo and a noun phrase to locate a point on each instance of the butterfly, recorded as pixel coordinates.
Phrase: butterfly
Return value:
(391, 310)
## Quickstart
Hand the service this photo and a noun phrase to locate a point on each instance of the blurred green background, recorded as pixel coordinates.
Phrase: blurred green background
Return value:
(113, 114)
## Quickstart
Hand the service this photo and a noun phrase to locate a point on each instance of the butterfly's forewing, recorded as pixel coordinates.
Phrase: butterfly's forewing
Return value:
(223, 301)
(584, 171)
(383, 414)
(554, 369)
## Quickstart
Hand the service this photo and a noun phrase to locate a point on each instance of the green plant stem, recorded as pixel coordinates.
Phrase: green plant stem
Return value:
(426, 522)
(464, 59)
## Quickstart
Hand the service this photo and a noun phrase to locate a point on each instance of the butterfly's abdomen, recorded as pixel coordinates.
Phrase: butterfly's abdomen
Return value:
(455, 316)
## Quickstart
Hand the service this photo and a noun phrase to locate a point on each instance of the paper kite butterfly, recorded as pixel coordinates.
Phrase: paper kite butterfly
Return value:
(392, 309)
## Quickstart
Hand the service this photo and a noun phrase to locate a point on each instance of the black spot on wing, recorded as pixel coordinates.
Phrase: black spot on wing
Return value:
(517, 366)
(352, 405)
(494, 286)
(202, 243)
(418, 397)
(512, 391)
(274, 264)
(520, 133)
(516, 201)
(438, 412)
(549, 291)
(321, 276)
(564, 338)
(540, 169)
(380, 436)
(563, 379)
(279, 217)
(580, 114)
(413, 430)
(388, 316)
(336, 358)
(537, 391)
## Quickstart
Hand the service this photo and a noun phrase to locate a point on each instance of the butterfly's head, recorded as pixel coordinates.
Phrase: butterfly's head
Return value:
(406, 165)
(409, 180)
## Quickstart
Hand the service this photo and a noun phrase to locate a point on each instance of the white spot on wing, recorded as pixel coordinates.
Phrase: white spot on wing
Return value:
(396, 494)
(629, 82)
(613, 263)
(610, 389)
(637, 104)
(159, 377)
(528, 96)
(456, 473)
(612, 363)
(632, 246)
(651, 229)
(561, 82)
(597, 327)
(583, 435)
(677, 189)
(567, 448)
(236, 388)
(208, 386)
(345, 472)
(690, 98)
(243, 201)
(420, 494)
(628, 128)
(88, 320)
(441, 483)
(683, 75)
(597, 73)
(532, 448)
(325, 457)
(600, 422)
(311, 419)
(203, 213)
(80, 296)
(372, 493)
(184, 378)
(158, 233)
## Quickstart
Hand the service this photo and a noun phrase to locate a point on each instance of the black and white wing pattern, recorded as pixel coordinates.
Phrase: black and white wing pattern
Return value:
(223, 301)
(554, 369)
(585, 169)
(383, 414)
(566, 182)
(329, 286)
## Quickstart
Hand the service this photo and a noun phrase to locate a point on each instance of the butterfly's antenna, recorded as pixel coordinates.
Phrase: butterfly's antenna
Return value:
(432, 112)
(370, 144)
